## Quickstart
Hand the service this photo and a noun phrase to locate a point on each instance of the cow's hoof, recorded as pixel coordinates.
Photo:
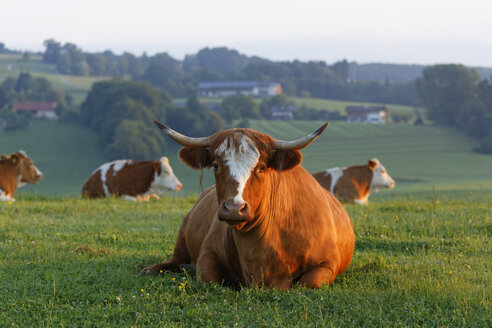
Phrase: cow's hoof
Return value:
(187, 267)
(146, 272)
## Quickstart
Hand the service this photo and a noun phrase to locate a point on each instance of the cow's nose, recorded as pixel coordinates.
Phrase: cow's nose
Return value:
(393, 184)
(179, 187)
(233, 211)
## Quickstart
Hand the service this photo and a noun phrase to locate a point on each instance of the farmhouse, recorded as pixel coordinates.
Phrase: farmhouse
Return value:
(229, 88)
(366, 114)
(41, 110)
(281, 113)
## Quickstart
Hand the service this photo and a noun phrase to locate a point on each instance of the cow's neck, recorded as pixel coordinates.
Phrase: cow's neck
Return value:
(266, 248)
(361, 180)
(9, 179)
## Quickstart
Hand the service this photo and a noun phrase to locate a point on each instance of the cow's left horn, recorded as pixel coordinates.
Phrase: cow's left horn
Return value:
(182, 139)
(299, 143)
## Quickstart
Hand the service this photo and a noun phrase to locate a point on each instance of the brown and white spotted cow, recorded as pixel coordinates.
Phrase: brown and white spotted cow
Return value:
(134, 180)
(266, 221)
(16, 170)
(355, 183)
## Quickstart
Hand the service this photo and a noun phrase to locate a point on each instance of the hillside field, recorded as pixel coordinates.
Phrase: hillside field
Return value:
(68, 262)
(420, 158)
(77, 86)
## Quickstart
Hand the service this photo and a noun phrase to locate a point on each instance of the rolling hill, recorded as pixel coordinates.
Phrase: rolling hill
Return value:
(418, 157)
(76, 86)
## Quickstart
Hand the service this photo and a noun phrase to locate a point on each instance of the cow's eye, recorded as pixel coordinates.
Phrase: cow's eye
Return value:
(216, 166)
(261, 168)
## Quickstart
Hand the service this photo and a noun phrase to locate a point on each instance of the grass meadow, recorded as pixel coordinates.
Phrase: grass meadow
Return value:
(69, 262)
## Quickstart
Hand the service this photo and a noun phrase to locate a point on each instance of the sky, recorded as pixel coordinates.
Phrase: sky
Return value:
(387, 31)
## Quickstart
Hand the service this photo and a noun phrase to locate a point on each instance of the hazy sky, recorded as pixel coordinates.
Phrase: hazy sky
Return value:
(395, 31)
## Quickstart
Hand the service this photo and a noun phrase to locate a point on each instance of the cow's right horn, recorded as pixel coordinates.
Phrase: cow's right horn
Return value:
(182, 139)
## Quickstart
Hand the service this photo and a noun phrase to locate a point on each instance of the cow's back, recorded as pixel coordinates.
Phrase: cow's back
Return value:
(121, 177)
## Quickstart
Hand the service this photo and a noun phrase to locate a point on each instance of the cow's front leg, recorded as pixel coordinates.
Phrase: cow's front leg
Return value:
(317, 276)
(282, 282)
(209, 269)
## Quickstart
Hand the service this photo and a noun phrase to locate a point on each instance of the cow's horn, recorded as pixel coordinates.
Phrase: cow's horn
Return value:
(300, 143)
(182, 139)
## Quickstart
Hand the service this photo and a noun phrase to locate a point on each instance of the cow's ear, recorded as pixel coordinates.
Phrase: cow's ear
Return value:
(372, 165)
(3, 157)
(157, 167)
(14, 159)
(196, 157)
(283, 160)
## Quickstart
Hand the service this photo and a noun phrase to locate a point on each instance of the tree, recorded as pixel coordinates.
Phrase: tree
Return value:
(341, 68)
(444, 89)
(239, 106)
(52, 52)
(97, 64)
(26, 57)
(136, 140)
(24, 83)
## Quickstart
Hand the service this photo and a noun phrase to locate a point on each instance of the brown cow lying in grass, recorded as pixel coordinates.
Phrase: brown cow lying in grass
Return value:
(355, 183)
(16, 170)
(266, 221)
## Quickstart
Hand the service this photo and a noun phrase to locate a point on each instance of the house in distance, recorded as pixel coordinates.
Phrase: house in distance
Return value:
(367, 114)
(40, 109)
(230, 88)
(285, 113)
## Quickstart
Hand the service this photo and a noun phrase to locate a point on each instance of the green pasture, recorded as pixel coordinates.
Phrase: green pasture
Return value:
(420, 158)
(69, 262)
(339, 106)
(66, 154)
(334, 105)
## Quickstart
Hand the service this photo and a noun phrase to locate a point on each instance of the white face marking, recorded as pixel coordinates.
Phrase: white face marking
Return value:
(381, 178)
(38, 172)
(166, 180)
(335, 173)
(117, 166)
(241, 161)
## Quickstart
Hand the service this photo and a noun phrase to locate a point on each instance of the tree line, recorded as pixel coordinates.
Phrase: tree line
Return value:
(455, 95)
(180, 77)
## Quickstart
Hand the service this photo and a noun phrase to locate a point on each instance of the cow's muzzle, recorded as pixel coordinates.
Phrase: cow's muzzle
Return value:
(233, 212)
(38, 178)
